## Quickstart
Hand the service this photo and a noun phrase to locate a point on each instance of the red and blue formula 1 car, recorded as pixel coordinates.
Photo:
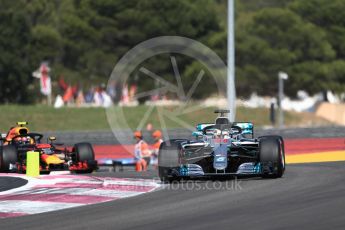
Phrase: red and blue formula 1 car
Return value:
(222, 149)
(53, 156)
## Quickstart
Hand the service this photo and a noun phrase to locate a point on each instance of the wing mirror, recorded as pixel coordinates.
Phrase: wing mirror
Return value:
(2, 137)
(197, 134)
(54, 139)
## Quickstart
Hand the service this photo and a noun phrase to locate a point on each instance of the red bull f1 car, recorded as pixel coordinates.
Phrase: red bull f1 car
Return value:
(53, 156)
(222, 149)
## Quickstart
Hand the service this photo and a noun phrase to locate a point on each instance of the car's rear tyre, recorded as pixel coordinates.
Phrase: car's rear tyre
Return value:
(84, 153)
(8, 155)
(168, 160)
(272, 156)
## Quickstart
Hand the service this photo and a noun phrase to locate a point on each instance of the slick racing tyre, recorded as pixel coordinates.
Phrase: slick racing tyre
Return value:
(84, 153)
(272, 157)
(168, 160)
(279, 138)
(8, 155)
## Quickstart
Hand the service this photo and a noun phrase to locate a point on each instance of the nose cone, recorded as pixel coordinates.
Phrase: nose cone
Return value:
(220, 161)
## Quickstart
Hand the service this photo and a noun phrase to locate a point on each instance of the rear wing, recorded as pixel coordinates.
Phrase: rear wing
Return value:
(247, 127)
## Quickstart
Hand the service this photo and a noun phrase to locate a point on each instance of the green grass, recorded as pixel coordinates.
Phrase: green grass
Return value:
(43, 118)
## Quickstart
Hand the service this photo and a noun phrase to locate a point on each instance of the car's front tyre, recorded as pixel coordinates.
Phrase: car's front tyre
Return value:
(8, 155)
(272, 156)
(169, 160)
(84, 153)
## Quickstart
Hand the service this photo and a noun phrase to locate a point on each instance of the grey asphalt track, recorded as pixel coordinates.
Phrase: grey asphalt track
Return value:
(309, 196)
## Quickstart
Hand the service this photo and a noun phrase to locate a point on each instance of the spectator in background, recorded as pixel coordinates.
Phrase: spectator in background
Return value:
(101, 98)
(111, 90)
(63, 85)
(68, 95)
(141, 152)
(80, 100)
(107, 101)
(89, 95)
(69, 92)
(157, 135)
(125, 95)
(132, 92)
(98, 97)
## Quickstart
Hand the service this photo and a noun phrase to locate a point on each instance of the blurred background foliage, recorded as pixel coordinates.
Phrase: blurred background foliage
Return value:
(83, 39)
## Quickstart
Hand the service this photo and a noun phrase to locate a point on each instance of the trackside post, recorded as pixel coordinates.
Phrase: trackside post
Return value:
(32, 164)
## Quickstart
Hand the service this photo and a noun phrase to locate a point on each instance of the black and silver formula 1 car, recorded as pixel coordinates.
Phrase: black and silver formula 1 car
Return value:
(222, 149)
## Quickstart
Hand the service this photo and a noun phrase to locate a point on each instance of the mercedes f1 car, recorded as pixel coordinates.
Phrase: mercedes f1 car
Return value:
(222, 149)
(53, 156)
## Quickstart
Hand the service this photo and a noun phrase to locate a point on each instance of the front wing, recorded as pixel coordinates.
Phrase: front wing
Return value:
(245, 169)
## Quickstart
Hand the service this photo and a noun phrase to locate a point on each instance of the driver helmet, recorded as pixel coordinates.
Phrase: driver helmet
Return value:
(18, 140)
(26, 140)
(217, 132)
(226, 134)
